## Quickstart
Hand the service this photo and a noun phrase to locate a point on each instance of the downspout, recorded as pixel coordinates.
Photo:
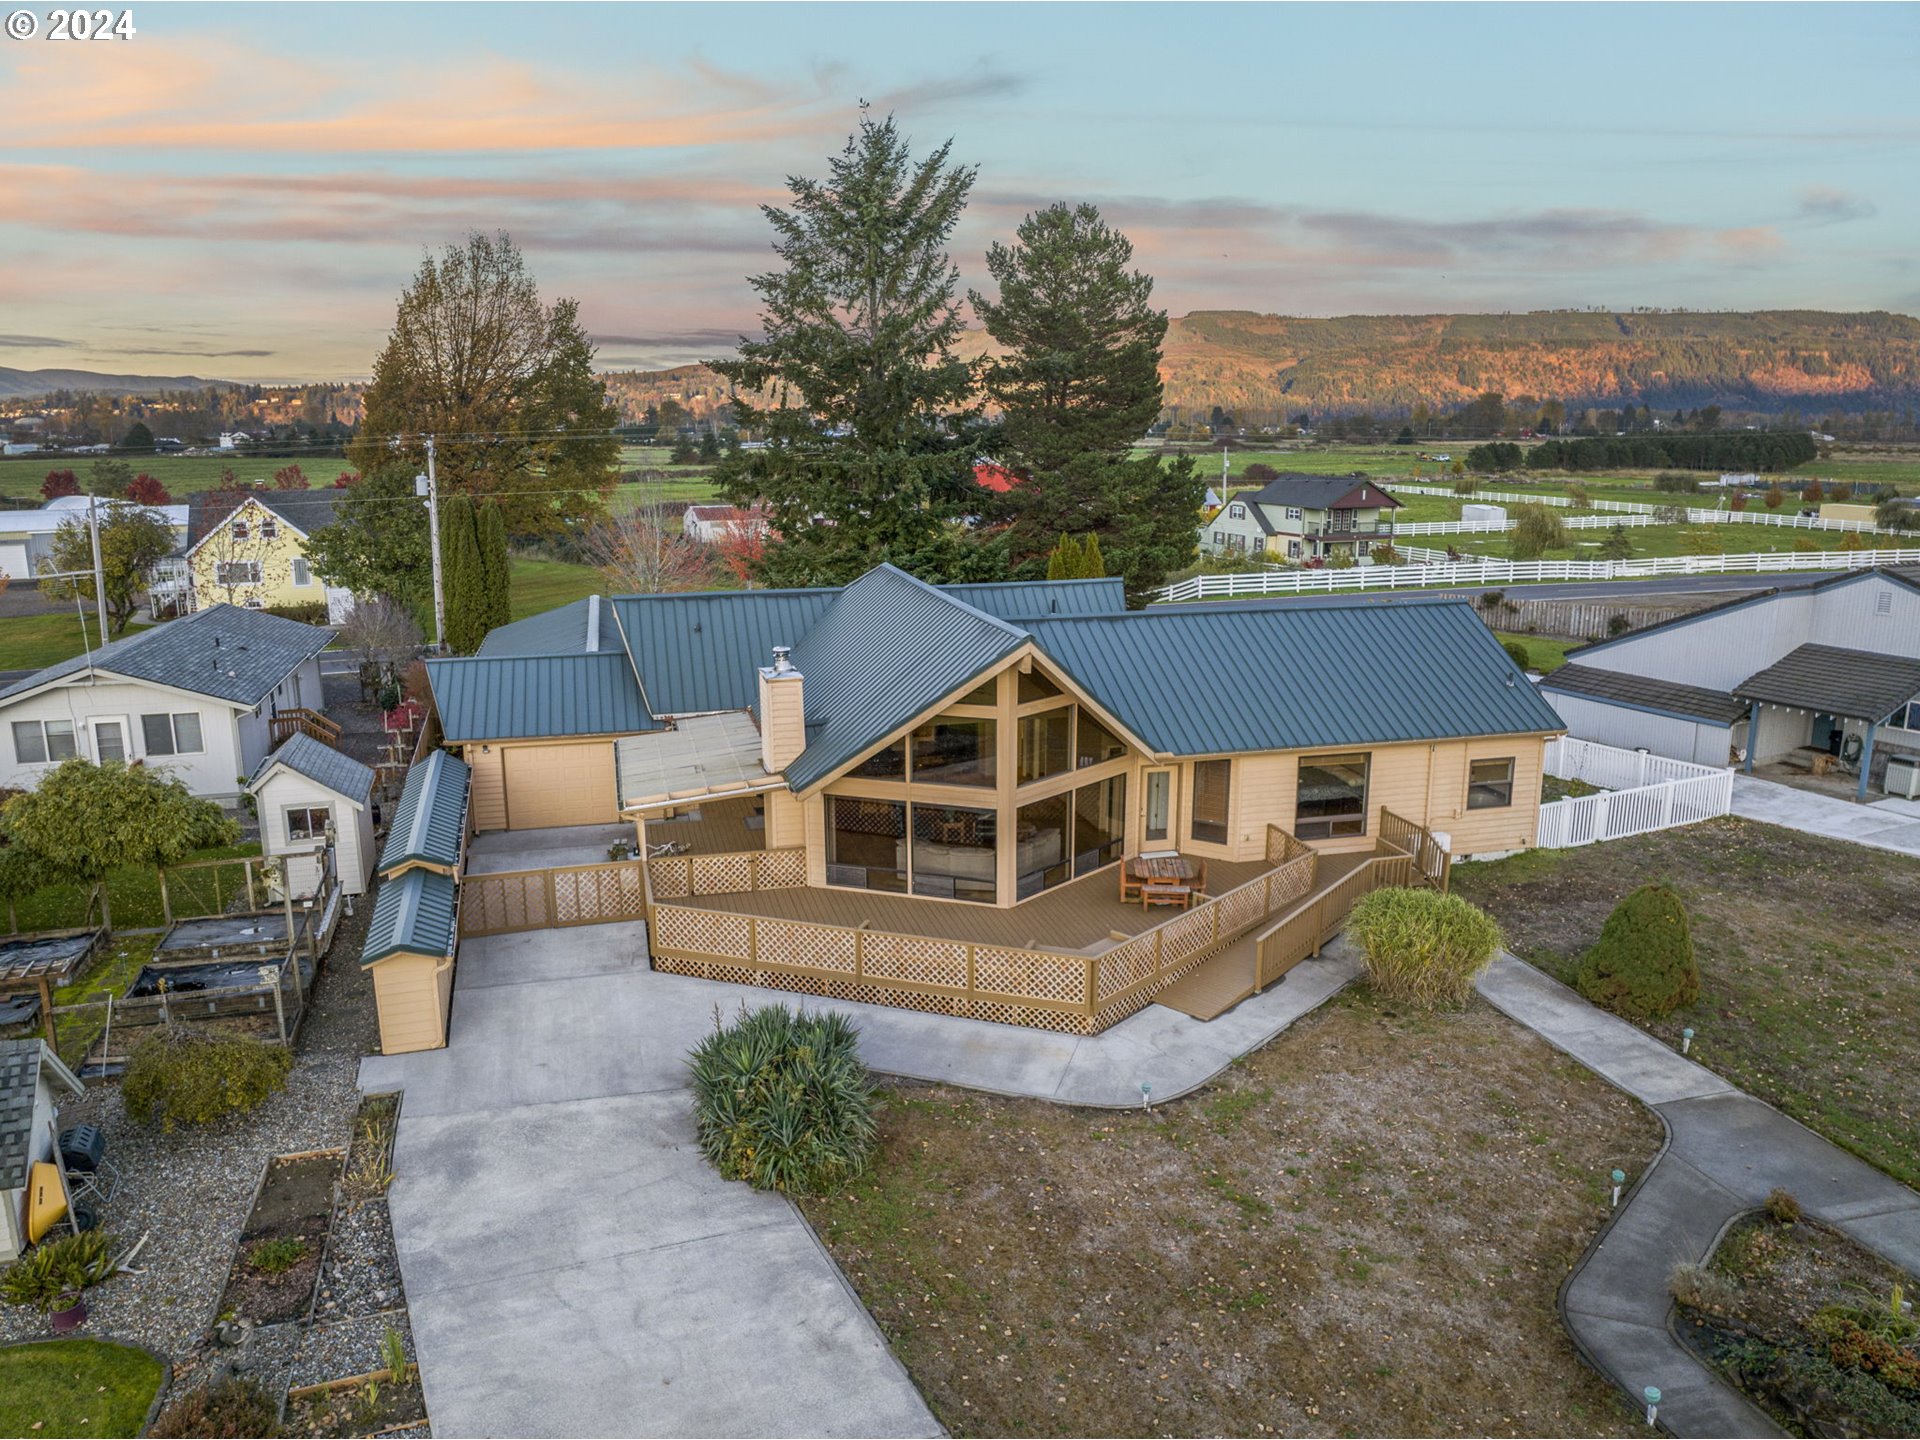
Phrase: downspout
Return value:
(1753, 734)
(1866, 760)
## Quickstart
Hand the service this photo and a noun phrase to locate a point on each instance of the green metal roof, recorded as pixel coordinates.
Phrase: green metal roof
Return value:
(561, 631)
(412, 915)
(225, 651)
(887, 648)
(430, 822)
(701, 652)
(1023, 599)
(321, 764)
(1223, 679)
(526, 697)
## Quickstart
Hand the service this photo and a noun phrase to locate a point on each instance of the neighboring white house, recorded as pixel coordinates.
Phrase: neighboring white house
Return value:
(303, 790)
(1832, 667)
(195, 696)
(31, 1077)
(27, 536)
(1303, 519)
(710, 524)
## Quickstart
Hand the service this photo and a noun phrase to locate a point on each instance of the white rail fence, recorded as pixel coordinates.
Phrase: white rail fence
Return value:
(1646, 517)
(1515, 572)
(1640, 794)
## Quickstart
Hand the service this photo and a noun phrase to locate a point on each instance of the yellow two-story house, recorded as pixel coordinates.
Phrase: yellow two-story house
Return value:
(254, 553)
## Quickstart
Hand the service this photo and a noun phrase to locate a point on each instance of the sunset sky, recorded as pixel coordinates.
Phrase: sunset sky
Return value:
(241, 190)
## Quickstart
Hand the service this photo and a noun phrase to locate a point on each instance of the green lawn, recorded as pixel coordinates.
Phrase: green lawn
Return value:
(1543, 654)
(28, 642)
(181, 474)
(133, 892)
(1809, 995)
(541, 585)
(76, 1387)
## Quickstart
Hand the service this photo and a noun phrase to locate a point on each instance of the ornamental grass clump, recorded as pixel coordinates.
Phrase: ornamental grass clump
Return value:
(183, 1078)
(1423, 947)
(783, 1101)
(1642, 966)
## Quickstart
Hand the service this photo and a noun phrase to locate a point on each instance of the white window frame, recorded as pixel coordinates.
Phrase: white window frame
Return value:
(94, 722)
(221, 577)
(173, 719)
(1236, 512)
(240, 530)
(269, 528)
(46, 744)
(1294, 513)
(288, 812)
(302, 572)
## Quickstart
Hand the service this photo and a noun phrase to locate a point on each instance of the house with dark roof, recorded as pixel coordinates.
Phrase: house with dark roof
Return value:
(1304, 519)
(195, 696)
(254, 553)
(1824, 676)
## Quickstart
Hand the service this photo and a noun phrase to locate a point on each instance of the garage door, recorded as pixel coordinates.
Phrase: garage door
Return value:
(13, 558)
(560, 785)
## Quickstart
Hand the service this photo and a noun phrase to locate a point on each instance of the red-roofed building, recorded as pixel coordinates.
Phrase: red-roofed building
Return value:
(996, 478)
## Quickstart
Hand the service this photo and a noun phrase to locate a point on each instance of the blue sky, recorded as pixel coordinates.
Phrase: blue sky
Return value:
(242, 190)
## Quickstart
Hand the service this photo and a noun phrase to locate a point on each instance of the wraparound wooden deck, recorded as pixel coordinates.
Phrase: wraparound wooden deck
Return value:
(1081, 917)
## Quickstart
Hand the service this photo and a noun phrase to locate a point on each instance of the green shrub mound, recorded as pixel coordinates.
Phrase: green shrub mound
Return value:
(1642, 965)
(1517, 653)
(229, 1407)
(783, 1101)
(1423, 947)
(183, 1078)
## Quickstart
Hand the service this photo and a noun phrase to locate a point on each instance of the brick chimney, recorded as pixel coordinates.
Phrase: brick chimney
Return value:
(783, 712)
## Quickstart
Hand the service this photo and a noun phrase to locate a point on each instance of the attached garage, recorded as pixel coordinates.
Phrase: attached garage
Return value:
(560, 784)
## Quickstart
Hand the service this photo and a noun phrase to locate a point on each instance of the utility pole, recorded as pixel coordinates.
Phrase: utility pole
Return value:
(426, 485)
(99, 570)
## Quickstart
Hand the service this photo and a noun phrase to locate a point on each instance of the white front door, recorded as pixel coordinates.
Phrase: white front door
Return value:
(1156, 827)
(109, 739)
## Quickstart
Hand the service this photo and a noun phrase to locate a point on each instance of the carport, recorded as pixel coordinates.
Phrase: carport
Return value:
(1826, 699)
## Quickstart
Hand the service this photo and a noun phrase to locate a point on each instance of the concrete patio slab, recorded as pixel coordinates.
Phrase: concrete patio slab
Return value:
(499, 850)
(1886, 824)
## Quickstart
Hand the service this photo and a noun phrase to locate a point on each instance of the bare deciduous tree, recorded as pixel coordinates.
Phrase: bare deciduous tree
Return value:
(383, 629)
(644, 551)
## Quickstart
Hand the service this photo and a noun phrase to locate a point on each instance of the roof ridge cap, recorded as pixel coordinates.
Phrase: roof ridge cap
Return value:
(888, 568)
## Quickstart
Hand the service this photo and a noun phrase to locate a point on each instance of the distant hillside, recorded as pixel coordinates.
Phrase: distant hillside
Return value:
(15, 384)
(1810, 360)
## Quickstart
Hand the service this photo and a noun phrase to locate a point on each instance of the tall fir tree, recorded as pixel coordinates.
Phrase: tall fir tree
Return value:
(490, 528)
(869, 416)
(1078, 383)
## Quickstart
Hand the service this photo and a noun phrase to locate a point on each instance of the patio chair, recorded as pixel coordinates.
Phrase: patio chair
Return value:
(1130, 883)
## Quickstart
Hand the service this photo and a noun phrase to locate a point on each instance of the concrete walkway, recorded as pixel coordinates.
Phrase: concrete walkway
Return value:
(1886, 824)
(1725, 1151)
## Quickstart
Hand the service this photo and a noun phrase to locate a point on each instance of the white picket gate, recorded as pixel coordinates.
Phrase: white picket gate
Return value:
(1642, 793)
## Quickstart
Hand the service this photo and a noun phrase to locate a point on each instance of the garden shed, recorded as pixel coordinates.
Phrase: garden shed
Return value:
(412, 934)
(302, 791)
(31, 1076)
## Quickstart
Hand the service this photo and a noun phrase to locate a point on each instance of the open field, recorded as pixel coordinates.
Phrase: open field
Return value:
(1809, 995)
(540, 585)
(28, 642)
(1358, 1229)
(21, 476)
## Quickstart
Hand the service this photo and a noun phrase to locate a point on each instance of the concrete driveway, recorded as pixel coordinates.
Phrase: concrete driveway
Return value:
(573, 1267)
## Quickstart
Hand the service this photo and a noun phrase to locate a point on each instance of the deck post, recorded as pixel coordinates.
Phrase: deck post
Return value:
(753, 942)
(166, 905)
(1866, 761)
(859, 957)
(46, 1012)
(552, 901)
(972, 975)
(1093, 967)
(253, 901)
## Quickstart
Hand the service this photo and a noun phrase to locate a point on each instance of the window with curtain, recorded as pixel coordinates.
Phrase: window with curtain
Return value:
(172, 734)
(1212, 794)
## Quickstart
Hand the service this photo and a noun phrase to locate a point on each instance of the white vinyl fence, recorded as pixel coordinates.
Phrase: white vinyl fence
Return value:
(1641, 793)
(1516, 572)
(1614, 512)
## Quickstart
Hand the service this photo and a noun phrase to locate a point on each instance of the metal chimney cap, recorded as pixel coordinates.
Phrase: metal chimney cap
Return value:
(782, 659)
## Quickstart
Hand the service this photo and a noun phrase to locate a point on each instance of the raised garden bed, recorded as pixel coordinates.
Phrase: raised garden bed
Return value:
(1816, 1330)
(276, 1267)
(374, 1404)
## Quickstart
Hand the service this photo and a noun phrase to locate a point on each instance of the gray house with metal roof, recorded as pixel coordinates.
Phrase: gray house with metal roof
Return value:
(1822, 677)
(194, 696)
(988, 743)
(1303, 519)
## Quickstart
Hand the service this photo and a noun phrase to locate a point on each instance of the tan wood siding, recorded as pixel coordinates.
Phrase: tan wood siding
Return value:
(412, 994)
(487, 795)
(570, 784)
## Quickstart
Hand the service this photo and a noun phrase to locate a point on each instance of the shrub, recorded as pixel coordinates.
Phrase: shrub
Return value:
(1676, 482)
(58, 1268)
(783, 1101)
(1642, 966)
(1422, 946)
(314, 612)
(1702, 1288)
(1517, 653)
(1618, 625)
(1782, 1207)
(179, 1077)
(229, 1407)
(1812, 1385)
(276, 1257)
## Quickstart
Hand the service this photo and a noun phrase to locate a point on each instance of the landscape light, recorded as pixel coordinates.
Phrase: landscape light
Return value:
(1619, 1179)
(1652, 1392)
(1686, 1040)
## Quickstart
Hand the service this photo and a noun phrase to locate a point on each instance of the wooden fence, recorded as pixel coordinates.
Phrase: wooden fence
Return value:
(676, 877)
(1284, 945)
(1060, 990)
(513, 900)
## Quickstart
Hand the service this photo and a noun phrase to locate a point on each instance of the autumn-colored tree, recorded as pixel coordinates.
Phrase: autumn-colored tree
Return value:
(143, 489)
(59, 483)
(1840, 492)
(642, 551)
(1813, 493)
(289, 477)
(1774, 497)
(346, 480)
(740, 549)
(1738, 502)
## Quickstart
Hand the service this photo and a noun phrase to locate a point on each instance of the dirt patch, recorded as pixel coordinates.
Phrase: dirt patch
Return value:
(278, 1259)
(1814, 1328)
(371, 1407)
(1809, 991)
(1359, 1229)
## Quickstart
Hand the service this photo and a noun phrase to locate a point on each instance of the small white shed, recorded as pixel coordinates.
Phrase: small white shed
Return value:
(1483, 514)
(299, 791)
(31, 1076)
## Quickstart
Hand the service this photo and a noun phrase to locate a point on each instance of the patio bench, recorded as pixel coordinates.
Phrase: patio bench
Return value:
(1161, 892)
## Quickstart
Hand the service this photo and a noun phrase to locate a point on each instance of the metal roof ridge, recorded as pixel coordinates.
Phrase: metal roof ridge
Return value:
(890, 570)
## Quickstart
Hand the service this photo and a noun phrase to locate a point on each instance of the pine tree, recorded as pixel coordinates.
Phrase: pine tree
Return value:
(868, 414)
(463, 576)
(490, 528)
(1078, 384)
